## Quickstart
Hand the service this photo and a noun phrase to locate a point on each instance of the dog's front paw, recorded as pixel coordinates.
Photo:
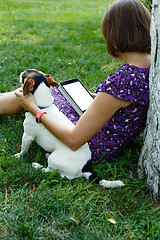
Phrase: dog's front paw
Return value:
(18, 155)
(22, 152)
(36, 165)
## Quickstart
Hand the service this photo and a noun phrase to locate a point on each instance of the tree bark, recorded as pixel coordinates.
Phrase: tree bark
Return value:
(149, 162)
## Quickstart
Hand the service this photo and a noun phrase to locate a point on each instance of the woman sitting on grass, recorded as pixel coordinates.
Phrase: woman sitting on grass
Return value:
(118, 113)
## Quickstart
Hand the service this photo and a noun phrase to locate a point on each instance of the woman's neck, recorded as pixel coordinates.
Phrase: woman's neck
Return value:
(138, 59)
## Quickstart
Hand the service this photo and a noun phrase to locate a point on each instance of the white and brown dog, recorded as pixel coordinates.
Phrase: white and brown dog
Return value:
(72, 164)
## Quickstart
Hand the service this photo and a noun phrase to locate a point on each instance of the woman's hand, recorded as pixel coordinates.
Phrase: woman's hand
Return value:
(27, 102)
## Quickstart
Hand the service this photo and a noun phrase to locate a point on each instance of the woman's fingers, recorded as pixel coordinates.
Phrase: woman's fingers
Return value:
(18, 94)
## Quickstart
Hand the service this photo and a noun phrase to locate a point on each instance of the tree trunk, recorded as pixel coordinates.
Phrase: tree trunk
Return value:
(149, 162)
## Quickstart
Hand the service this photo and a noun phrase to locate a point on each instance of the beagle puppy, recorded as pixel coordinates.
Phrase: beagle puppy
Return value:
(72, 164)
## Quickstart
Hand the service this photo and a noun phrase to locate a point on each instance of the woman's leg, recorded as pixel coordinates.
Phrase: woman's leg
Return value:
(9, 104)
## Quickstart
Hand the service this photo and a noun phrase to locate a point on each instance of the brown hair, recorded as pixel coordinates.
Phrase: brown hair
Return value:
(126, 27)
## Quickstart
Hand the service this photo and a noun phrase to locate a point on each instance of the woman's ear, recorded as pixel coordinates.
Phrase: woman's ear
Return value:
(51, 81)
(28, 85)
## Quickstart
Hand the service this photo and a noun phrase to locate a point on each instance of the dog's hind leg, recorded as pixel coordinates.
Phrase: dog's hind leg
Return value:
(58, 160)
(37, 166)
(47, 155)
(47, 169)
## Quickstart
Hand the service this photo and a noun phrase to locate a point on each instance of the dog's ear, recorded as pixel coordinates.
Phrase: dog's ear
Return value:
(51, 81)
(28, 86)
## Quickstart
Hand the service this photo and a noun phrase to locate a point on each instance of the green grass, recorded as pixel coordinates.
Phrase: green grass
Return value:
(63, 37)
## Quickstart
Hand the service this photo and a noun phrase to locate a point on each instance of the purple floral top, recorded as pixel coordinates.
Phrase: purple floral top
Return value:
(128, 83)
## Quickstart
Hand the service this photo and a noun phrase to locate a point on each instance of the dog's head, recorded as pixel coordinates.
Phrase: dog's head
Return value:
(32, 78)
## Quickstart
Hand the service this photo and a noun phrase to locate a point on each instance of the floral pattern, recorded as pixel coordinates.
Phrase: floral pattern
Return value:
(128, 83)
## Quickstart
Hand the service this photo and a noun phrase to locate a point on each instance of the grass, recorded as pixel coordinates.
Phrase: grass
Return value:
(63, 38)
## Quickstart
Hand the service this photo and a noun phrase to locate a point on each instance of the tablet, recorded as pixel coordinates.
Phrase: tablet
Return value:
(77, 95)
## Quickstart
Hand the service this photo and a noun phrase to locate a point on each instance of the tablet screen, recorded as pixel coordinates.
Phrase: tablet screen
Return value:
(79, 94)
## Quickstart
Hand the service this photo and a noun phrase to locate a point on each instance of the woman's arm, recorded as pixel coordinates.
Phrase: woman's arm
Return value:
(99, 112)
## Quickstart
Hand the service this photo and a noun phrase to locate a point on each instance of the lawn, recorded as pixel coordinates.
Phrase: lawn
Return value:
(63, 37)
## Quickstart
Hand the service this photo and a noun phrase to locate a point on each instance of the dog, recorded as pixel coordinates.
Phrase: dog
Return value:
(69, 163)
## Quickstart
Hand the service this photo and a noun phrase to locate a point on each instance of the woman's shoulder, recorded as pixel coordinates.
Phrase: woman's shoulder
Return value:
(127, 75)
(127, 83)
(127, 72)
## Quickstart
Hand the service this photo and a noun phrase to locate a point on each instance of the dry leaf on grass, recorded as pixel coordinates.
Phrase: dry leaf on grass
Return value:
(74, 220)
(33, 190)
(111, 220)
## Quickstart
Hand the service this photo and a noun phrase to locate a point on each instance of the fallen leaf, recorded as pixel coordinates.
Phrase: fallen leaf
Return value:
(111, 220)
(33, 190)
(74, 220)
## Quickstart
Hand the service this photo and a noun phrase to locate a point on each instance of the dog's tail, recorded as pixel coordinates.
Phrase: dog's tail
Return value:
(92, 176)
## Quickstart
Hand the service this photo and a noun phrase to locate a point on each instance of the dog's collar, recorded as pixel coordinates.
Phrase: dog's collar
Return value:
(44, 107)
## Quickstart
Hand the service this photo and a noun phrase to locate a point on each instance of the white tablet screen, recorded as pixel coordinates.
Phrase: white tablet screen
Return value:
(79, 94)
